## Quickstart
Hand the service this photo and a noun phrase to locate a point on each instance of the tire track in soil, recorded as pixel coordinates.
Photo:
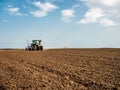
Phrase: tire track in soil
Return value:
(77, 79)
(27, 66)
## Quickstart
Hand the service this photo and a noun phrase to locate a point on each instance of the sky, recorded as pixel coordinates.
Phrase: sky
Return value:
(60, 23)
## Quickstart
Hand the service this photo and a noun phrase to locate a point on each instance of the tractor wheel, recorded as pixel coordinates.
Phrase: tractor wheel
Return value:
(41, 48)
(38, 48)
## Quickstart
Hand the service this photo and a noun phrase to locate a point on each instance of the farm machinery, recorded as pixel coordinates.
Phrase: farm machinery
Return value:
(35, 45)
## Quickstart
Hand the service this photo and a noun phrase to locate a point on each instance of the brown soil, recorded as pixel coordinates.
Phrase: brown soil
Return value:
(60, 69)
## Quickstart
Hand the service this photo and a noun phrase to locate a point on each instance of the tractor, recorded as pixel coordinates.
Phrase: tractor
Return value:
(35, 45)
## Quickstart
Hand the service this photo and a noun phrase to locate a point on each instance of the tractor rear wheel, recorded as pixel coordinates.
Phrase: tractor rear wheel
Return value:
(41, 48)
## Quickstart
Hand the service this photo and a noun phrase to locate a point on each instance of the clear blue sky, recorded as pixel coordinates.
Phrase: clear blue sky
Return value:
(60, 23)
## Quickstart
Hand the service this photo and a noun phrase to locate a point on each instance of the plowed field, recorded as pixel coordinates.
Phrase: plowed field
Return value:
(60, 69)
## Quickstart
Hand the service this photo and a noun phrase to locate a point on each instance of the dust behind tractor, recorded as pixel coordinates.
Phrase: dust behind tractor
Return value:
(35, 45)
